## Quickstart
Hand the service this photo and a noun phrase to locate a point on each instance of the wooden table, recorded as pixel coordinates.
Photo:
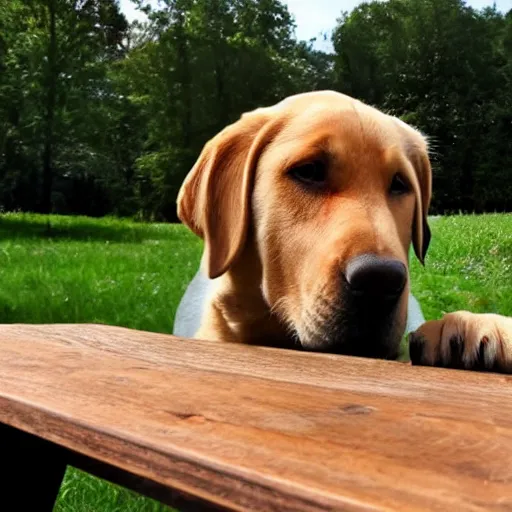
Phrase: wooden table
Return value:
(205, 425)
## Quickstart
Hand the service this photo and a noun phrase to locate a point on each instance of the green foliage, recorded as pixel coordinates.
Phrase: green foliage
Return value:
(56, 102)
(98, 117)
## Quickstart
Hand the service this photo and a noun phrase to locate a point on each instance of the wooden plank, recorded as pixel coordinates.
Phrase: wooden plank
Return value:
(249, 428)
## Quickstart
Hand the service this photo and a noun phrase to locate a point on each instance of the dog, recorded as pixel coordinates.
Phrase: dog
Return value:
(308, 210)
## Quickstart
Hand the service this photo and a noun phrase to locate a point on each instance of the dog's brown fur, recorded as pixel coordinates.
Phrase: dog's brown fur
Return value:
(277, 249)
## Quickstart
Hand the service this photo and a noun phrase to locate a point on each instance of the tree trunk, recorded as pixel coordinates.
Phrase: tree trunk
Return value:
(222, 99)
(185, 78)
(467, 182)
(51, 90)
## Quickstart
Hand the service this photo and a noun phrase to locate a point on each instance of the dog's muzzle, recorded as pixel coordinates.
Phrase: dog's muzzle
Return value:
(365, 321)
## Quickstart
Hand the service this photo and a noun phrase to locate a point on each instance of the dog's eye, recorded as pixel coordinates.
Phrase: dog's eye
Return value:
(399, 185)
(311, 173)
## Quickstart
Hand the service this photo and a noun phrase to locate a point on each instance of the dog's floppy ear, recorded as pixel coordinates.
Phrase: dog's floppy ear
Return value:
(214, 200)
(421, 229)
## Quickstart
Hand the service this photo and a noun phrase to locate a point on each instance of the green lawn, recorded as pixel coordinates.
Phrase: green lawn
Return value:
(468, 266)
(63, 269)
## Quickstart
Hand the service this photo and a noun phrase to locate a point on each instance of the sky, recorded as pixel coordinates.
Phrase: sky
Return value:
(315, 17)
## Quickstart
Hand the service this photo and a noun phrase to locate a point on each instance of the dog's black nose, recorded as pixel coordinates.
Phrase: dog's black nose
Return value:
(369, 276)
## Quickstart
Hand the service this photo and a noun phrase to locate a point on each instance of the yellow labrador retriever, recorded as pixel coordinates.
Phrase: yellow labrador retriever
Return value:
(307, 210)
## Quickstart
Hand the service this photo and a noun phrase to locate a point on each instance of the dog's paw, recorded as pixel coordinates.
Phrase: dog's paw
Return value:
(464, 340)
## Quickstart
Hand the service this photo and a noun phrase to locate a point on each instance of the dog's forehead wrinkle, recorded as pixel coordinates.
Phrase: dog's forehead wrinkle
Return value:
(342, 140)
(362, 122)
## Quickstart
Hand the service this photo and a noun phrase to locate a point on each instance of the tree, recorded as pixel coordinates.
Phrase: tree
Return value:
(57, 57)
(100, 117)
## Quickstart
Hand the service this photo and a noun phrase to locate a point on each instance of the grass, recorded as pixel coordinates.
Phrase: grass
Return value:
(468, 266)
(83, 270)
(74, 269)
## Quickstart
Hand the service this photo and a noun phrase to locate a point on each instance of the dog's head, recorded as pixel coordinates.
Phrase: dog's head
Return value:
(328, 194)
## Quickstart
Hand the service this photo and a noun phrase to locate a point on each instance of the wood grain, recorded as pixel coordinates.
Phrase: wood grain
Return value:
(251, 428)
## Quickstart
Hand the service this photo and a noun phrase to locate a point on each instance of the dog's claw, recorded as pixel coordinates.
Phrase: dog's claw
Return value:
(416, 346)
(456, 351)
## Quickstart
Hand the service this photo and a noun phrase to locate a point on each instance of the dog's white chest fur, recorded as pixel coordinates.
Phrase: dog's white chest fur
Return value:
(190, 310)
